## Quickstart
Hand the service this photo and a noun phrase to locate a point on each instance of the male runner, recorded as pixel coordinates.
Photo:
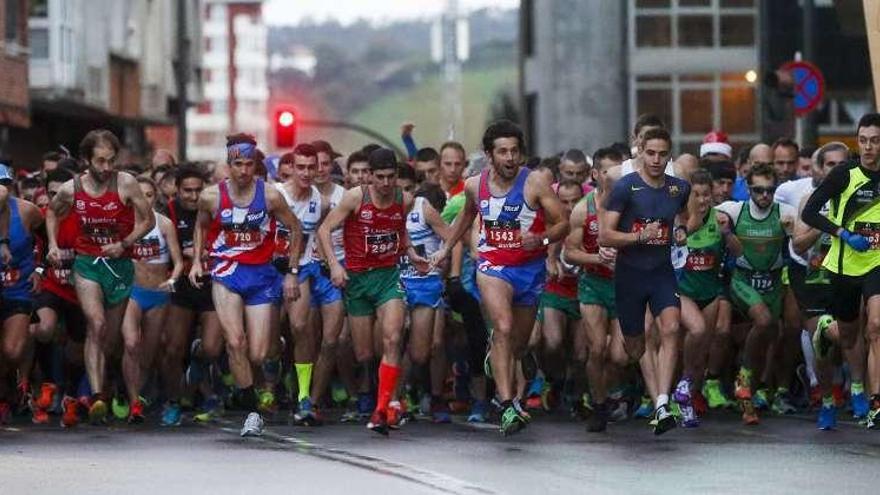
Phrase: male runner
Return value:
(112, 214)
(190, 304)
(853, 259)
(373, 217)
(596, 292)
(240, 214)
(519, 217)
(760, 225)
(644, 210)
(811, 283)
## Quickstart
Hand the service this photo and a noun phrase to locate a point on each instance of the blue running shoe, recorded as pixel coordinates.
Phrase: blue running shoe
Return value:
(536, 387)
(440, 411)
(306, 415)
(860, 406)
(759, 400)
(171, 415)
(479, 412)
(645, 410)
(827, 418)
(365, 405)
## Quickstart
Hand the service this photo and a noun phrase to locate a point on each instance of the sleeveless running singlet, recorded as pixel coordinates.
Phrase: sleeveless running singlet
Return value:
(504, 220)
(243, 234)
(374, 237)
(103, 220)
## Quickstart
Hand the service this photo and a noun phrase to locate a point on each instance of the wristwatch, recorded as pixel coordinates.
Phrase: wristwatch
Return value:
(293, 270)
(545, 241)
(4, 240)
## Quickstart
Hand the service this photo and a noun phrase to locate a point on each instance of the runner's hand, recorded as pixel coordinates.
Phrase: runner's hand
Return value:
(54, 255)
(531, 242)
(438, 257)
(651, 232)
(406, 128)
(724, 223)
(36, 282)
(856, 241)
(608, 256)
(553, 268)
(338, 276)
(114, 250)
(6, 254)
(291, 287)
(195, 275)
(421, 264)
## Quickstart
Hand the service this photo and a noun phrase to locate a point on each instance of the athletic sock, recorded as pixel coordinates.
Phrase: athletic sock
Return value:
(247, 397)
(827, 401)
(856, 388)
(304, 379)
(388, 375)
(662, 400)
(809, 357)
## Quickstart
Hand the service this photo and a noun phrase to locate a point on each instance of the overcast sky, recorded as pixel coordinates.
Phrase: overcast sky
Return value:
(347, 11)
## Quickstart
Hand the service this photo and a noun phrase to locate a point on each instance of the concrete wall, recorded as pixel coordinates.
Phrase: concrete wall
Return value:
(576, 71)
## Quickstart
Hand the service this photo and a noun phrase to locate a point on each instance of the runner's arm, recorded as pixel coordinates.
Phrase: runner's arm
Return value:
(437, 224)
(834, 184)
(350, 201)
(557, 227)
(58, 208)
(462, 222)
(804, 235)
(278, 208)
(170, 234)
(574, 251)
(144, 220)
(207, 200)
(609, 220)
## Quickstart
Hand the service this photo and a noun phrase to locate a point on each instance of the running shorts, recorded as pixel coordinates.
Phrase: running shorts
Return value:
(637, 288)
(526, 280)
(567, 305)
(148, 299)
(597, 291)
(423, 291)
(744, 294)
(114, 275)
(256, 284)
(322, 289)
(367, 290)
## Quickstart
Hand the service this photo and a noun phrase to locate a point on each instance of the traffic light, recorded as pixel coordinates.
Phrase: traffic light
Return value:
(285, 128)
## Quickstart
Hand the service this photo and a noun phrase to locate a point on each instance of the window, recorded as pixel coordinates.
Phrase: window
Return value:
(737, 30)
(652, 3)
(39, 43)
(695, 30)
(655, 101)
(653, 31)
(528, 27)
(738, 110)
(39, 8)
(12, 16)
(696, 110)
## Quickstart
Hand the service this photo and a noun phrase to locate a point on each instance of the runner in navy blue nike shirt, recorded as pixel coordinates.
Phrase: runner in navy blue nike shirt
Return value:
(641, 216)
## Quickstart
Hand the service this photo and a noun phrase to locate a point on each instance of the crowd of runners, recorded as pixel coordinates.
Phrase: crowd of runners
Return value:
(376, 288)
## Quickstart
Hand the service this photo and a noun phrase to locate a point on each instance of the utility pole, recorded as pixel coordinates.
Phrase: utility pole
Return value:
(450, 45)
(810, 131)
(181, 69)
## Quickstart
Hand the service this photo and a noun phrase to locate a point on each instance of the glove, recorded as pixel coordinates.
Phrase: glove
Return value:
(855, 241)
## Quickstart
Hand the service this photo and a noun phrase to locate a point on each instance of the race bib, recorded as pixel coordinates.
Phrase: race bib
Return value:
(243, 238)
(419, 249)
(9, 277)
(870, 231)
(146, 249)
(381, 244)
(641, 223)
(699, 260)
(503, 234)
(63, 275)
(101, 235)
(763, 281)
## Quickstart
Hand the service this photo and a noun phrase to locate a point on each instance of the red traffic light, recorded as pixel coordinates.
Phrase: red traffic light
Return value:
(286, 118)
(285, 128)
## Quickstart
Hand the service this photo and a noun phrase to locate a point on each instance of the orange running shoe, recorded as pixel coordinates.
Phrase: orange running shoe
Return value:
(750, 415)
(69, 412)
(40, 416)
(136, 415)
(47, 395)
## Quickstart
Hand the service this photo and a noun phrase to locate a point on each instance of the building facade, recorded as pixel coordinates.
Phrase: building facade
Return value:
(590, 67)
(14, 97)
(235, 66)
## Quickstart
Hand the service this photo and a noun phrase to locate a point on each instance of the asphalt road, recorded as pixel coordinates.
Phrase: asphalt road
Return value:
(555, 455)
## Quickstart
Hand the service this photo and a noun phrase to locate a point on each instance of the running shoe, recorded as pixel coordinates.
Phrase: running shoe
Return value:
(525, 415)
(120, 408)
(425, 405)
(440, 411)
(598, 421)
(699, 402)
(714, 395)
(618, 410)
(365, 404)
(394, 415)
(211, 410)
(479, 412)
(743, 390)
(827, 418)
(760, 400)
(171, 415)
(749, 414)
(98, 412)
(47, 395)
(511, 420)
(40, 416)
(378, 422)
(253, 425)
(645, 410)
(782, 404)
(860, 406)
(822, 345)
(549, 397)
(5, 412)
(581, 408)
(69, 412)
(873, 419)
(682, 396)
(305, 415)
(664, 420)
(338, 394)
(136, 414)
(266, 403)
(25, 396)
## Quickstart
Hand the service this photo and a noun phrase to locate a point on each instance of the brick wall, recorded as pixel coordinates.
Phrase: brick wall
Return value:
(14, 99)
